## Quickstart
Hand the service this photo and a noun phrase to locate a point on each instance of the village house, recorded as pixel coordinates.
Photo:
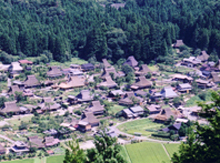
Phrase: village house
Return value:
(131, 61)
(165, 114)
(206, 69)
(28, 93)
(25, 62)
(137, 110)
(127, 113)
(184, 88)
(129, 99)
(13, 89)
(4, 68)
(48, 104)
(88, 120)
(54, 72)
(203, 56)
(154, 109)
(2, 150)
(195, 110)
(19, 147)
(141, 83)
(168, 93)
(15, 68)
(35, 141)
(84, 126)
(191, 62)
(108, 71)
(175, 127)
(197, 73)
(75, 66)
(75, 72)
(182, 78)
(73, 82)
(51, 132)
(87, 67)
(114, 93)
(96, 108)
(144, 70)
(84, 96)
(140, 93)
(31, 81)
(108, 83)
(178, 44)
(106, 63)
(133, 112)
(215, 77)
(204, 83)
(10, 107)
(50, 141)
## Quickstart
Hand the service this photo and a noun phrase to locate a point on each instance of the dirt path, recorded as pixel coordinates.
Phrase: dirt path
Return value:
(166, 151)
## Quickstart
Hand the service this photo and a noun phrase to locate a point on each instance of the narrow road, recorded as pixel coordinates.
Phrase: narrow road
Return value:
(6, 138)
(166, 151)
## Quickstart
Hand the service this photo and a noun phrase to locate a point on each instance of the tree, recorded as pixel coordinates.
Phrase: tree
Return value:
(107, 150)
(203, 144)
(2, 101)
(74, 154)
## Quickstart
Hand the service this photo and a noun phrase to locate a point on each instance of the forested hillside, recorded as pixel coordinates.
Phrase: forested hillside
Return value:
(84, 28)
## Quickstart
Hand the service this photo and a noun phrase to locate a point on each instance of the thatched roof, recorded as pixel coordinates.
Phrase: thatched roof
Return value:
(14, 88)
(178, 43)
(36, 142)
(215, 77)
(89, 118)
(74, 82)
(203, 56)
(142, 83)
(108, 83)
(10, 107)
(96, 107)
(84, 95)
(143, 70)
(49, 104)
(106, 63)
(108, 71)
(31, 81)
(165, 114)
(131, 61)
(15, 66)
(54, 72)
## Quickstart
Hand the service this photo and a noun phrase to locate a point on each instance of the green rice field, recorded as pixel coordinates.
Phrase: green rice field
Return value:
(147, 152)
(172, 148)
(140, 126)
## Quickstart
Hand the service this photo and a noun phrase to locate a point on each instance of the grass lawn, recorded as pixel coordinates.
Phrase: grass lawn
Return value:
(21, 161)
(55, 159)
(67, 64)
(172, 148)
(140, 126)
(147, 152)
(116, 108)
(153, 67)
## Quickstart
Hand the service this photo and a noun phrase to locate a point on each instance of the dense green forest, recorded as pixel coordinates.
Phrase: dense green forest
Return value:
(84, 28)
